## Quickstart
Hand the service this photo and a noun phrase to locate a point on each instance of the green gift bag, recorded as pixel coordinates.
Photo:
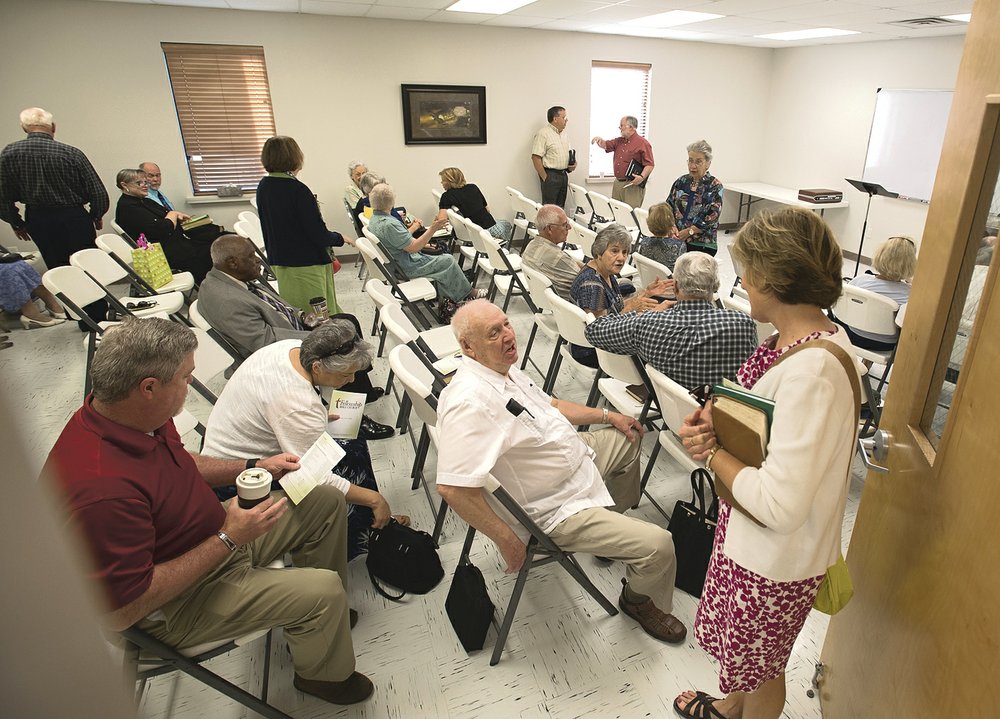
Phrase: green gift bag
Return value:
(836, 590)
(151, 265)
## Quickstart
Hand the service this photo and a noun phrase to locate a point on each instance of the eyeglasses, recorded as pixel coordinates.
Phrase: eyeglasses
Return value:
(565, 225)
(138, 183)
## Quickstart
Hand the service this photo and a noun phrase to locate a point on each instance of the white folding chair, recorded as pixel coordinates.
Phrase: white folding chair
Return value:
(623, 216)
(252, 230)
(641, 215)
(650, 270)
(418, 384)
(409, 293)
(253, 202)
(603, 214)
(675, 404)
(105, 271)
(622, 375)
(764, 329)
(571, 321)
(121, 252)
(199, 321)
(583, 209)
(210, 360)
(466, 247)
(122, 233)
(542, 319)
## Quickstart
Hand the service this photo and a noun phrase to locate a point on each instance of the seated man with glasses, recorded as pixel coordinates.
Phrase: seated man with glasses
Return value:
(139, 215)
(545, 255)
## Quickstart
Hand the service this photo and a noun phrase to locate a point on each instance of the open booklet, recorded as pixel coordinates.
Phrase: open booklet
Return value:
(349, 408)
(314, 465)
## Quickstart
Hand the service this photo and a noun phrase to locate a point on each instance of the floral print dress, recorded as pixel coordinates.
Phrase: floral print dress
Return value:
(747, 622)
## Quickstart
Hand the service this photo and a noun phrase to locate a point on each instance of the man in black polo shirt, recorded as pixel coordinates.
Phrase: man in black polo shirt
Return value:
(54, 182)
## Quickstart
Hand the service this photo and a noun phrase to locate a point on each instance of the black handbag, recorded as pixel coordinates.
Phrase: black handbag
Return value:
(693, 530)
(404, 558)
(469, 606)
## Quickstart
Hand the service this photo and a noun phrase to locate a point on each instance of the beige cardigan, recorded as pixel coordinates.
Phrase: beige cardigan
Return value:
(800, 491)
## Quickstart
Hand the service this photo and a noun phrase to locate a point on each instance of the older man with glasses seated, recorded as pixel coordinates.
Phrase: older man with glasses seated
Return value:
(545, 255)
(139, 215)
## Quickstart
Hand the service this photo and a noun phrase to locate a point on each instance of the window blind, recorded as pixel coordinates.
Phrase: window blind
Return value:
(223, 105)
(617, 89)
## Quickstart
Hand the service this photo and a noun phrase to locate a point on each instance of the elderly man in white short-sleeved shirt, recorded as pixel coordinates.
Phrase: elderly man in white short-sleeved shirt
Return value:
(495, 421)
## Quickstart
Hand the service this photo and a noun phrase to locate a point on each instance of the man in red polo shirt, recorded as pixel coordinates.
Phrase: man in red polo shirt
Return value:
(174, 561)
(631, 147)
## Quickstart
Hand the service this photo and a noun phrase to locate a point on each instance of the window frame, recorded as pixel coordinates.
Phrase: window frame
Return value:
(213, 82)
(597, 128)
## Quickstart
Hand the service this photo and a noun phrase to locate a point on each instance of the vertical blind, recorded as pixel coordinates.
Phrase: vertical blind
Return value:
(617, 89)
(223, 104)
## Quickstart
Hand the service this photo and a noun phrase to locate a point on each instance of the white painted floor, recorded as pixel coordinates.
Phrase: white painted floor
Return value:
(565, 657)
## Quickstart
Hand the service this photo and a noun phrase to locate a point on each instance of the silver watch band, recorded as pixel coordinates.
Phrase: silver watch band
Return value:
(227, 541)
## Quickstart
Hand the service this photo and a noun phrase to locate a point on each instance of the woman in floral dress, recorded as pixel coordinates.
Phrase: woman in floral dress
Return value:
(762, 580)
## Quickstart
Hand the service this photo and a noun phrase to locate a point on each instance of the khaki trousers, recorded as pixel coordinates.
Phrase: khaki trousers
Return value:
(646, 550)
(309, 600)
(618, 462)
(631, 196)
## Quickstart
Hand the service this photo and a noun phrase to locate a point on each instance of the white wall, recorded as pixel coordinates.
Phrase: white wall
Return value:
(796, 117)
(821, 107)
(335, 88)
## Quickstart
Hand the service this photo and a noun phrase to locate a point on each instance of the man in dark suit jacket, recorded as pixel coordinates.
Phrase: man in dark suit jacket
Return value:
(250, 315)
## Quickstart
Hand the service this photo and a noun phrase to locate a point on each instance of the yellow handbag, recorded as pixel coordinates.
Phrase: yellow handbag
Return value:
(836, 590)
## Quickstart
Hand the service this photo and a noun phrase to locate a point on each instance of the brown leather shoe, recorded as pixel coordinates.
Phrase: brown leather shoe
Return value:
(665, 627)
(356, 688)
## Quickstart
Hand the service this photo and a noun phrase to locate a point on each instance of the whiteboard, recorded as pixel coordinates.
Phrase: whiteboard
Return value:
(906, 139)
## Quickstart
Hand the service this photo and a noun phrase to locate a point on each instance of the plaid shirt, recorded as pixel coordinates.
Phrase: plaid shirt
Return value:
(42, 172)
(694, 343)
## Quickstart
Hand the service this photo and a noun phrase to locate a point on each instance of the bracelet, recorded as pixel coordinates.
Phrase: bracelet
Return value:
(252, 463)
(604, 415)
(227, 541)
(711, 456)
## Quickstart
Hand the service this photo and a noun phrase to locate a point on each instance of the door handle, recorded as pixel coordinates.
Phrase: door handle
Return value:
(876, 447)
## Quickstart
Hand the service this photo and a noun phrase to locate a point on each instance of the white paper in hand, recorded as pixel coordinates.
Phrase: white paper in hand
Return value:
(350, 408)
(314, 465)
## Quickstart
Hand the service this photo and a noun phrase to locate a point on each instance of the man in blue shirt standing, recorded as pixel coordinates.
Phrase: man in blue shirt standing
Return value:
(152, 171)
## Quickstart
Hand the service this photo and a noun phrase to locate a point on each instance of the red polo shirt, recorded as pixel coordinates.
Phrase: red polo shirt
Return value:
(634, 148)
(138, 498)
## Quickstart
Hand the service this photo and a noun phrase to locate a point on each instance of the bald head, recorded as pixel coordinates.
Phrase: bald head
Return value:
(485, 334)
(552, 223)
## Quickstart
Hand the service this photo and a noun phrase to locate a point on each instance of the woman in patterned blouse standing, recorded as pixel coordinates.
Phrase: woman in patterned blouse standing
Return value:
(696, 199)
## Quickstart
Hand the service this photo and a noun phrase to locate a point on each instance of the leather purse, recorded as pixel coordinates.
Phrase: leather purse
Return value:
(404, 558)
(469, 606)
(692, 525)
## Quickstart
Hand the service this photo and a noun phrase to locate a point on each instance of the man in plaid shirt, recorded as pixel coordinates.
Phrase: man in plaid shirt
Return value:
(53, 181)
(694, 342)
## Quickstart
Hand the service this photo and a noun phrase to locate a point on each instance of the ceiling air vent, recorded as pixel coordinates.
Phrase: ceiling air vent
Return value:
(922, 22)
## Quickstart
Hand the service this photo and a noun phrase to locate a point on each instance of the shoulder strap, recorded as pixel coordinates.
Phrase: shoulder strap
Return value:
(845, 361)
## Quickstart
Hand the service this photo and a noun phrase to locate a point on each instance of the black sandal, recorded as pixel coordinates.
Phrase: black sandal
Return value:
(699, 708)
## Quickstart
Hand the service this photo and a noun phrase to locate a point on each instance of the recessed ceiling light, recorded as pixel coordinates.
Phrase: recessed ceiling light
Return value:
(488, 7)
(656, 32)
(964, 17)
(672, 18)
(807, 34)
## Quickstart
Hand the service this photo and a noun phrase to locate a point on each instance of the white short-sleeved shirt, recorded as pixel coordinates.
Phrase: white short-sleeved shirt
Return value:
(267, 408)
(537, 455)
(552, 146)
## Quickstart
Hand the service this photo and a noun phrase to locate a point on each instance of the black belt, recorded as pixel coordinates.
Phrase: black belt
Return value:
(552, 169)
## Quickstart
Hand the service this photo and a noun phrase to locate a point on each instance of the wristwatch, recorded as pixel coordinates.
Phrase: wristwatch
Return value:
(251, 463)
(227, 541)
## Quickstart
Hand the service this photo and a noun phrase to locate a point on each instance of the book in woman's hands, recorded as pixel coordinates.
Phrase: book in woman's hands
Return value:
(742, 422)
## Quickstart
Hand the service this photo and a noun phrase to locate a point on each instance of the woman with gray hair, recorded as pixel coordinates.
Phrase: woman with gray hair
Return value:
(453, 286)
(274, 402)
(352, 193)
(696, 199)
(596, 288)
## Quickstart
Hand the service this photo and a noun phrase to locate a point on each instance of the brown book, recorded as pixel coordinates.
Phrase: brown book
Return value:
(742, 422)
(638, 392)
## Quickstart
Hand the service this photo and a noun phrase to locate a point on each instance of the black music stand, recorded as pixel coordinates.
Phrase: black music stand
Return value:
(871, 189)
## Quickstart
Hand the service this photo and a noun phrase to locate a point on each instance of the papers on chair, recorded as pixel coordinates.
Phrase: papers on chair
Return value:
(350, 408)
(314, 465)
(447, 366)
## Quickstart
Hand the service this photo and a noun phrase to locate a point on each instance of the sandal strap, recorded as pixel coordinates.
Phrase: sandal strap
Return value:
(700, 708)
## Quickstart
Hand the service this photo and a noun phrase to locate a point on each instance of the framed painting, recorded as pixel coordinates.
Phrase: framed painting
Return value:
(444, 114)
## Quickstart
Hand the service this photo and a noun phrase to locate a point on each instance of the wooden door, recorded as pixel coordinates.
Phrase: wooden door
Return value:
(922, 636)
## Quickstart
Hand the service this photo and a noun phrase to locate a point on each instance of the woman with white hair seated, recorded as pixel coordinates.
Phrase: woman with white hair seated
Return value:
(352, 193)
(273, 404)
(453, 286)
(696, 199)
(596, 289)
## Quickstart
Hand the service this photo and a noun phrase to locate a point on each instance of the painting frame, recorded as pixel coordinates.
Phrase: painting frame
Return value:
(444, 114)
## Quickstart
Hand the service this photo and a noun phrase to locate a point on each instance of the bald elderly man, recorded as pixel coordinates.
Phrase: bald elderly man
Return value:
(498, 422)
